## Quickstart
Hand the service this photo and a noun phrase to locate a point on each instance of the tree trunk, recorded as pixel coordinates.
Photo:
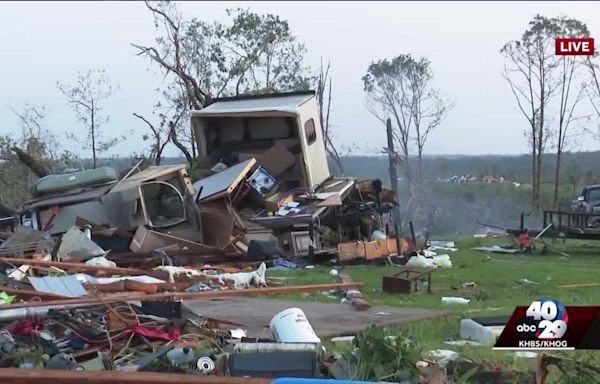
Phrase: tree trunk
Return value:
(36, 167)
(193, 141)
(540, 153)
(392, 170)
(157, 155)
(420, 168)
(179, 145)
(533, 174)
(557, 175)
(93, 134)
(539, 174)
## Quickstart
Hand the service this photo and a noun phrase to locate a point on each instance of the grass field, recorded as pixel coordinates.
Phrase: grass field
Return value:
(499, 291)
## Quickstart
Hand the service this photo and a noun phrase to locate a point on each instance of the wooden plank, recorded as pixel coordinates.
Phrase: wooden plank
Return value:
(578, 285)
(80, 267)
(188, 295)
(51, 376)
(351, 251)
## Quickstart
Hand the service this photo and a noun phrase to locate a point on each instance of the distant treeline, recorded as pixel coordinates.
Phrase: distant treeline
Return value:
(579, 167)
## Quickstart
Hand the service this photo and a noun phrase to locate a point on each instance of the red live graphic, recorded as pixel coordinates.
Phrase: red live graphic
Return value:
(574, 46)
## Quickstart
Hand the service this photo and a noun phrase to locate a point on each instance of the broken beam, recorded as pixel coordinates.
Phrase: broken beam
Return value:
(215, 294)
(51, 376)
(79, 267)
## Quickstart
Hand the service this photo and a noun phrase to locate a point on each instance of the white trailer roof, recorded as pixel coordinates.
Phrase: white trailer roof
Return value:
(285, 103)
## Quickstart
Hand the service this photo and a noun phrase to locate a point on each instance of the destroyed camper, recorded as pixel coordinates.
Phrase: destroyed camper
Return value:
(160, 198)
(265, 179)
(236, 129)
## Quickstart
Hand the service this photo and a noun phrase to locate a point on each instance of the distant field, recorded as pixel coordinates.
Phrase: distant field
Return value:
(499, 290)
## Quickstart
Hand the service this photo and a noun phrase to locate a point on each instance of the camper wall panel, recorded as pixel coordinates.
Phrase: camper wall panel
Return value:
(67, 215)
(315, 156)
(262, 128)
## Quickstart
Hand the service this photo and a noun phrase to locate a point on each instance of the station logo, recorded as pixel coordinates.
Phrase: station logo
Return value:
(544, 325)
(574, 46)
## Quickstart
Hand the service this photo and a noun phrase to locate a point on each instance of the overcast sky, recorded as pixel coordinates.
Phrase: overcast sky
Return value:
(46, 42)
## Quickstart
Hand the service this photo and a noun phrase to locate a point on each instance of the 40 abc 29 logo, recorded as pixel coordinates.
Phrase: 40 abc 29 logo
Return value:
(544, 324)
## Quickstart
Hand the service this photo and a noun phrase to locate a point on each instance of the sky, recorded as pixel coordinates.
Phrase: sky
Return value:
(48, 42)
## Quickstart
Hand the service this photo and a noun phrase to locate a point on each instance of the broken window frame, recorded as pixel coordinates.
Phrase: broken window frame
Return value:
(310, 131)
(145, 211)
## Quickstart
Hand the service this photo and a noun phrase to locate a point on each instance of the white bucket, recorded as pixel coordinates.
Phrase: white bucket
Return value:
(292, 326)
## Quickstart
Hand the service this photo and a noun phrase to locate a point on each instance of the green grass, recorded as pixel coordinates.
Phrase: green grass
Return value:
(499, 291)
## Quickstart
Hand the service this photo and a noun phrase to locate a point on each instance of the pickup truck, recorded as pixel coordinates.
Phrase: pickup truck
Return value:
(588, 200)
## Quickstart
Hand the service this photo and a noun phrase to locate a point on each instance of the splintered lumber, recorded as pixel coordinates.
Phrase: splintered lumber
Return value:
(215, 294)
(52, 376)
(79, 267)
(130, 285)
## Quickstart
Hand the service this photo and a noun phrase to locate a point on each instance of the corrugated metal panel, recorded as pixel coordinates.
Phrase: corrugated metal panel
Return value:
(67, 286)
(282, 104)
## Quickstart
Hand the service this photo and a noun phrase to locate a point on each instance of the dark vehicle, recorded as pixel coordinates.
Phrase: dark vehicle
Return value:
(588, 201)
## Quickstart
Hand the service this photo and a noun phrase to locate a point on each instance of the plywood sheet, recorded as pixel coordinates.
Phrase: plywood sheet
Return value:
(223, 182)
(327, 319)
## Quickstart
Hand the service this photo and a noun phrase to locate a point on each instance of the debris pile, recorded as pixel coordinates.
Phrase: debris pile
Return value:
(92, 311)
(95, 273)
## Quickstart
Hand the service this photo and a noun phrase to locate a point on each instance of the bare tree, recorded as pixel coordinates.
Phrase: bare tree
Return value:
(402, 88)
(570, 89)
(160, 136)
(593, 91)
(529, 65)
(324, 101)
(429, 108)
(86, 98)
(568, 104)
(386, 88)
(172, 59)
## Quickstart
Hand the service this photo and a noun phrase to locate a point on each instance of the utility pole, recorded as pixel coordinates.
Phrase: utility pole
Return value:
(393, 181)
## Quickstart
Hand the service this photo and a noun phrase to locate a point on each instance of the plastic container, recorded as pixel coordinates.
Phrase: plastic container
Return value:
(292, 326)
(420, 262)
(455, 300)
(378, 234)
(442, 261)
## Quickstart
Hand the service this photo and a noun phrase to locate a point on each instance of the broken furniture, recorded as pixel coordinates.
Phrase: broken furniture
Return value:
(397, 283)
